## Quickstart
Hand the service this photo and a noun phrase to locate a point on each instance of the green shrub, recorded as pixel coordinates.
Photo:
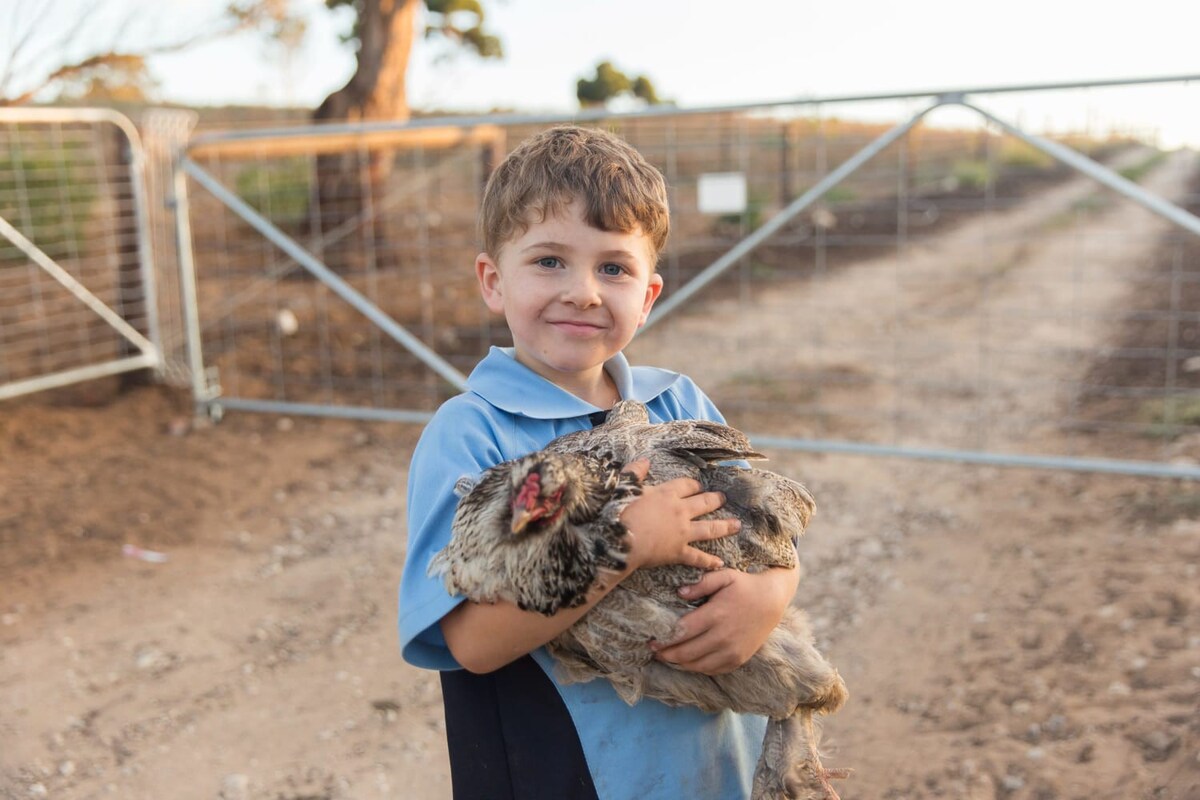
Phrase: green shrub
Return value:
(840, 194)
(279, 190)
(1169, 418)
(1136, 172)
(1016, 154)
(48, 196)
(971, 173)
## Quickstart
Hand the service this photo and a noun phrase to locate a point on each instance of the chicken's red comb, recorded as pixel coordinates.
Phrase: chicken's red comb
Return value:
(531, 489)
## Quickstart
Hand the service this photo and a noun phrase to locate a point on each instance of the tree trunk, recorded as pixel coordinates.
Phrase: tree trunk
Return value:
(377, 88)
(347, 186)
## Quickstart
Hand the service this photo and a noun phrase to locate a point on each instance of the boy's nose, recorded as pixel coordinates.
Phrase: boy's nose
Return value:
(582, 290)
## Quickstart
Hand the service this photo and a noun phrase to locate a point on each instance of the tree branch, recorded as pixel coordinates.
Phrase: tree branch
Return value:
(23, 39)
(242, 15)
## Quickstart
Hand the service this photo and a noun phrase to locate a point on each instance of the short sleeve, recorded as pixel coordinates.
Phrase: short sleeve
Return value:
(685, 400)
(458, 441)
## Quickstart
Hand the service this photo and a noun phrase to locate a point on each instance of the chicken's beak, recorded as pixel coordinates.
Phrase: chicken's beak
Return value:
(521, 519)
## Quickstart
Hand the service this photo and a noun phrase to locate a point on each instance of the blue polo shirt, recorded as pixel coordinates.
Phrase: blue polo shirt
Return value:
(649, 751)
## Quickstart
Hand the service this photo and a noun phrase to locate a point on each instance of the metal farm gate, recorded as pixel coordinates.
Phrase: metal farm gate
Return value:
(77, 284)
(945, 285)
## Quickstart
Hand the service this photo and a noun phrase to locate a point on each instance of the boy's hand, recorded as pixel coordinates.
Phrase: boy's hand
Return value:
(742, 610)
(662, 522)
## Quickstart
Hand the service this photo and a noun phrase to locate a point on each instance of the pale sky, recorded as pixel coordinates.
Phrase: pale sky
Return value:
(704, 52)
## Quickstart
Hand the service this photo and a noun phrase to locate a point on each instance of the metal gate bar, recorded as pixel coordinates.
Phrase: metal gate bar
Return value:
(147, 345)
(1112, 466)
(149, 353)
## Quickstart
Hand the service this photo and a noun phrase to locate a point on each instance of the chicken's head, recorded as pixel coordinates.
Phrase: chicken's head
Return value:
(543, 486)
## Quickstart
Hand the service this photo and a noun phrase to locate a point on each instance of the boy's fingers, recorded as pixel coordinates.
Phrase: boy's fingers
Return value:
(686, 487)
(700, 559)
(640, 468)
(706, 529)
(705, 502)
(709, 584)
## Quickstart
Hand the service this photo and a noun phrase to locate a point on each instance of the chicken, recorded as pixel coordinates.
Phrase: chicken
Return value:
(539, 531)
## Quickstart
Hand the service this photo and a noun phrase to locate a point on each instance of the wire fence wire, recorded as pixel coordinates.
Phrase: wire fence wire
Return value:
(958, 293)
(76, 299)
(962, 290)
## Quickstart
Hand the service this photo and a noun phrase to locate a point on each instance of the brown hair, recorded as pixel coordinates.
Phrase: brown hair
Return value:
(620, 190)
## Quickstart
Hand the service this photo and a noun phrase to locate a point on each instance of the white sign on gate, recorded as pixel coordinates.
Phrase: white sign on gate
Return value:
(721, 193)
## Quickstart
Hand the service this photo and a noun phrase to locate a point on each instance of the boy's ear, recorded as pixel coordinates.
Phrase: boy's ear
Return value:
(489, 282)
(653, 290)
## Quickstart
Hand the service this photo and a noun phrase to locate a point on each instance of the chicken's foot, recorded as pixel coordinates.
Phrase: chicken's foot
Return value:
(790, 767)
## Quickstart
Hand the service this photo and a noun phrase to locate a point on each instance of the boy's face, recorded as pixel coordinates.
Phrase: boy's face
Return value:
(573, 295)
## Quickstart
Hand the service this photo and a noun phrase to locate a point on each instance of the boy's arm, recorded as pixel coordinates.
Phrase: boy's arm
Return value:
(662, 524)
(483, 637)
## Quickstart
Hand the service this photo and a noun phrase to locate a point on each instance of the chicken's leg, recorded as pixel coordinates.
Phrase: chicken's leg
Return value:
(789, 767)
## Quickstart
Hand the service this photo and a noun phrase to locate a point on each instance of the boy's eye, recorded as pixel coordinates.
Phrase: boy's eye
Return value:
(612, 269)
(549, 262)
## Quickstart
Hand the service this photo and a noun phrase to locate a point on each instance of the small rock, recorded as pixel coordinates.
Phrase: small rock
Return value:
(1056, 726)
(284, 424)
(150, 658)
(871, 548)
(66, 769)
(235, 786)
(1157, 745)
(287, 322)
(179, 426)
(1119, 689)
(1012, 782)
(37, 790)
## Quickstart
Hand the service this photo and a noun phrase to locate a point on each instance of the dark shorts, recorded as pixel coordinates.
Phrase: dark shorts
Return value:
(511, 738)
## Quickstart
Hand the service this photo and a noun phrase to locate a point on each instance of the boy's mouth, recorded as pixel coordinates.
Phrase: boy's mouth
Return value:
(576, 327)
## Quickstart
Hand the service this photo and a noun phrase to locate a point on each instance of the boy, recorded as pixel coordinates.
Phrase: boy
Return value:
(572, 223)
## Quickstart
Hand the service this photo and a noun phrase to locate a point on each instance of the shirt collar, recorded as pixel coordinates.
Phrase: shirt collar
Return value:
(513, 387)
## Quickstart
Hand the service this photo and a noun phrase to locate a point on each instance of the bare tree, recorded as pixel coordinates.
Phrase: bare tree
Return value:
(41, 57)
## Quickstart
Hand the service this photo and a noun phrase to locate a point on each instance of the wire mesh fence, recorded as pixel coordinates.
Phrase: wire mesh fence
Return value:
(76, 296)
(961, 290)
